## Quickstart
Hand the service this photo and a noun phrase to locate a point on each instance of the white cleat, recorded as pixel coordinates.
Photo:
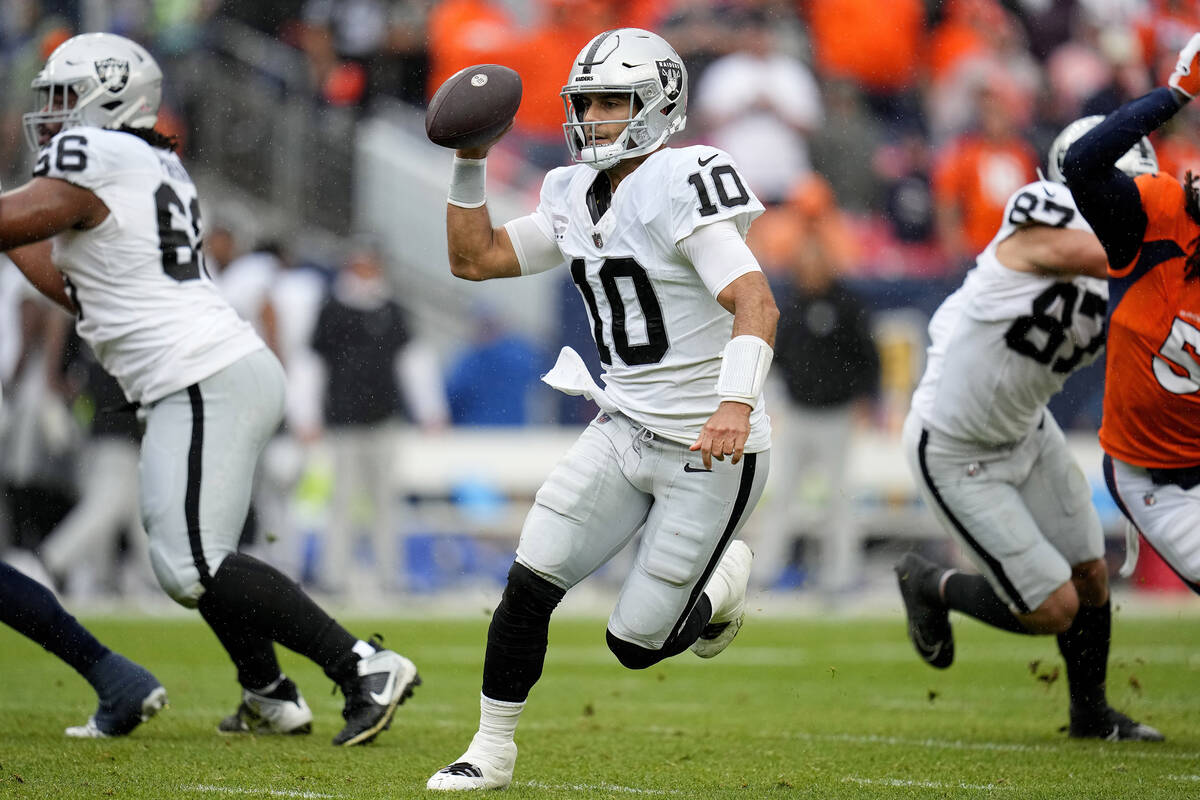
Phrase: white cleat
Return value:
(153, 703)
(281, 711)
(727, 590)
(483, 766)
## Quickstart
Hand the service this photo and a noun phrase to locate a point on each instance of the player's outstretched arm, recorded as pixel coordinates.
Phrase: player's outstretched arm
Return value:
(477, 251)
(1044, 250)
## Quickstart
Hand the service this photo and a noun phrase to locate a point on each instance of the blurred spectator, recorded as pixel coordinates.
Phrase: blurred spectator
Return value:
(843, 149)
(353, 46)
(697, 29)
(564, 27)
(977, 173)
(877, 46)
(377, 377)
(81, 553)
(759, 105)
(826, 359)
(246, 282)
(493, 380)
(903, 169)
(466, 32)
(1178, 144)
(1128, 76)
(220, 250)
(977, 44)
(39, 439)
(32, 41)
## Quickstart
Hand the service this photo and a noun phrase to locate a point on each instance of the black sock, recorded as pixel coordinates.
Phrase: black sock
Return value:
(975, 597)
(31, 609)
(251, 653)
(1084, 646)
(256, 595)
(518, 635)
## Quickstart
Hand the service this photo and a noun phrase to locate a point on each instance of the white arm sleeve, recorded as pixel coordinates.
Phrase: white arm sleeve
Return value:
(536, 251)
(719, 254)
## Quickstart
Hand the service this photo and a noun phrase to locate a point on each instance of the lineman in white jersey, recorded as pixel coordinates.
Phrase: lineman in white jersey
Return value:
(683, 321)
(992, 463)
(110, 228)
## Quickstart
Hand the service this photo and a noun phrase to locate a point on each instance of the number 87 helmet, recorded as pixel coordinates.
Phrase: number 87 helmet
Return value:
(626, 61)
(1138, 160)
(95, 79)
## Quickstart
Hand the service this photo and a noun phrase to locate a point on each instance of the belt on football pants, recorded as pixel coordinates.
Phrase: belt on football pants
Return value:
(1183, 477)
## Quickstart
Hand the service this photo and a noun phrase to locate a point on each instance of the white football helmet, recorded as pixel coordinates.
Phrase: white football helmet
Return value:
(1139, 160)
(96, 79)
(636, 62)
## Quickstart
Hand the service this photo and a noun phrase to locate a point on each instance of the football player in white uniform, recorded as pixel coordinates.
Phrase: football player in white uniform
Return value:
(683, 321)
(110, 228)
(991, 461)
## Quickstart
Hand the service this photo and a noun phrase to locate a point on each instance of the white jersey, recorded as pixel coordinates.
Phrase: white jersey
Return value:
(1006, 341)
(145, 302)
(657, 324)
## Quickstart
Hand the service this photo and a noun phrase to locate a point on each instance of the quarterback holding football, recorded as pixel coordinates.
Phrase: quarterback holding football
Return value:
(684, 323)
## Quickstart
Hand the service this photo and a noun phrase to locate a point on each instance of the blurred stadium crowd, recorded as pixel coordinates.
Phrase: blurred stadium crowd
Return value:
(884, 139)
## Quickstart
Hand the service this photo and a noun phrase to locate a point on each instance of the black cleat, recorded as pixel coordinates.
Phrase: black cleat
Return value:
(1111, 726)
(382, 681)
(928, 619)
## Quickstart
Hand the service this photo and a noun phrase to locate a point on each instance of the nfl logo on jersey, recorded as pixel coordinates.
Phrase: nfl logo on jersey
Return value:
(597, 239)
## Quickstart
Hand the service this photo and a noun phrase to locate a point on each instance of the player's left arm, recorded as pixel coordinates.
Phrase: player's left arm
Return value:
(1045, 250)
(728, 267)
(31, 215)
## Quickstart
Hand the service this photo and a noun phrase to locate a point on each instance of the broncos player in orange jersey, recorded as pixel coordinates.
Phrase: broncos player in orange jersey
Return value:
(1150, 229)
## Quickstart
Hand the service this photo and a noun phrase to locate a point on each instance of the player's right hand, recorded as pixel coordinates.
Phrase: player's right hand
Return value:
(482, 150)
(1186, 77)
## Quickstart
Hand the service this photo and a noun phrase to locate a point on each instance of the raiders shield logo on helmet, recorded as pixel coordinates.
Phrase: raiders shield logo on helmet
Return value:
(113, 74)
(670, 74)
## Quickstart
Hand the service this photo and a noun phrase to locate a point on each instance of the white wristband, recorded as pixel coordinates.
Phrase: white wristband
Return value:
(744, 365)
(466, 182)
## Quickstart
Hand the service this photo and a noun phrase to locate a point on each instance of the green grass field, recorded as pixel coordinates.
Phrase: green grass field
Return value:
(835, 708)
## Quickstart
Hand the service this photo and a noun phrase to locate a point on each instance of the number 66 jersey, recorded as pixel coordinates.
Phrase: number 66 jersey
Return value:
(143, 298)
(1006, 341)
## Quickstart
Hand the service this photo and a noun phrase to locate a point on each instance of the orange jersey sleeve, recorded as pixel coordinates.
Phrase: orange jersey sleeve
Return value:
(1152, 377)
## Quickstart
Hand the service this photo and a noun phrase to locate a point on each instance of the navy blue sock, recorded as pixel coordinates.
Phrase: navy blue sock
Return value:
(31, 609)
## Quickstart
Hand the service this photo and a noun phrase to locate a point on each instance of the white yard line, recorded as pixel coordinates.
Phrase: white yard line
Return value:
(958, 744)
(271, 792)
(592, 787)
(983, 787)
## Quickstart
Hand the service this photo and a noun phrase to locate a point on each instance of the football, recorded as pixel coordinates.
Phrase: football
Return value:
(473, 106)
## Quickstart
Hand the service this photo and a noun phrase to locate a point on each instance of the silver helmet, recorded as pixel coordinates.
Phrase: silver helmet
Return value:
(1139, 160)
(96, 79)
(633, 61)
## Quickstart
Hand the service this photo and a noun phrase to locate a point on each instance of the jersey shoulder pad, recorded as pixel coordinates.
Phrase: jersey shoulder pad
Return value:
(90, 157)
(558, 183)
(1044, 203)
(704, 186)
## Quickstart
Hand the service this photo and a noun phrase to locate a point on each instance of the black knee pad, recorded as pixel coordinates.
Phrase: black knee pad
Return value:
(630, 655)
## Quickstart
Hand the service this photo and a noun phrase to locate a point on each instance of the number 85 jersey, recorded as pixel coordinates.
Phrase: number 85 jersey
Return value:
(144, 301)
(658, 327)
(1006, 341)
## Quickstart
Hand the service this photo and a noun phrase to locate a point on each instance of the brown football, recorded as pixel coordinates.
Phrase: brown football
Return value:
(473, 106)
